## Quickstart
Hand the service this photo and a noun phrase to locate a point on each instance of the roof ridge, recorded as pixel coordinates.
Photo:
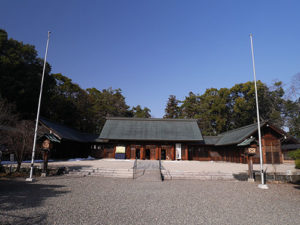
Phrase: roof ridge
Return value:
(240, 128)
(150, 119)
(63, 125)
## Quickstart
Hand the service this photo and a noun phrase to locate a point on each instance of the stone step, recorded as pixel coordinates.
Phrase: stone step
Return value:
(196, 175)
(149, 175)
(102, 172)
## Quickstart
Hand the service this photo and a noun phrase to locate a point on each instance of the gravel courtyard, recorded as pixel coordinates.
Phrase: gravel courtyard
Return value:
(96, 200)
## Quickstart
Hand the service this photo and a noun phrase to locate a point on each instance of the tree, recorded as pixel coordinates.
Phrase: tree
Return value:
(292, 117)
(191, 106)
(106, 103)
(20, 139)
(215, 111)
(69, 104)
(141, 113)
(219, 110)
(8, 117)
(294, 89)
(20, 76)
(172, 109)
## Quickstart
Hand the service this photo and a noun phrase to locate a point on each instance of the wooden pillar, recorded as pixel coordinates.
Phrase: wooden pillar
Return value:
(263, 148)
(250, 167)
(173, 153)
(132, 152)
(186, 153)
(280, 153)
(128, 151)
(114, 153)
(156, 153)
(159, 151)
(142, 152)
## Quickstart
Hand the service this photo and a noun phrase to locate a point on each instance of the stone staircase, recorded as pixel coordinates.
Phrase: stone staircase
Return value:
(184, 175)
(148, 175)
(147, 170)
(102, 172)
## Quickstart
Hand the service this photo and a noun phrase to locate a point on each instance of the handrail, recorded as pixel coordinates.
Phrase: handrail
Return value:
(134, 168)
(161, 175)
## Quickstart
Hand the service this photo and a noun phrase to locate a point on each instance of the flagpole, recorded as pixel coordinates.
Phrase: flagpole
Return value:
(38, 112)
(262, 185)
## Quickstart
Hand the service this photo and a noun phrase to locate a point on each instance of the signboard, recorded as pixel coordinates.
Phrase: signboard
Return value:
(251, 151)
(11, 157)
(178, 151)
(120, 149)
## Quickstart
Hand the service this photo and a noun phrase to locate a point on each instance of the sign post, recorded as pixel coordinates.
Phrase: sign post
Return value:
(250, 152)
(11, 159)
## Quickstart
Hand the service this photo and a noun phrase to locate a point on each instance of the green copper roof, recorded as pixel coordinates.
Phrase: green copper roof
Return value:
(52, 138)
(151, 129)
(247, 141)
(64, 132)
(238, 135)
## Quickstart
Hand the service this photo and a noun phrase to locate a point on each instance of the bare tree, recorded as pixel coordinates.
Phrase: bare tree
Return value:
(19, 140)
(294, 90)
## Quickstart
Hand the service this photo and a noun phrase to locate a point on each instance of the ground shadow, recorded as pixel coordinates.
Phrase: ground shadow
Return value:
(7, 218)
(240, 176)
(297, 185)
(18, 194)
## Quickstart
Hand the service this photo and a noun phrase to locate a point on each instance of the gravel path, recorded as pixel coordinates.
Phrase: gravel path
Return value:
(95, 200)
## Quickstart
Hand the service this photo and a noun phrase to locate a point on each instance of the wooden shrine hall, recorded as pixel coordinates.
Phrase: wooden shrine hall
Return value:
(181, 139)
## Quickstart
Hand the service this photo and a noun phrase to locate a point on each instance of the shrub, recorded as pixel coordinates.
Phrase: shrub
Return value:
(296, 155)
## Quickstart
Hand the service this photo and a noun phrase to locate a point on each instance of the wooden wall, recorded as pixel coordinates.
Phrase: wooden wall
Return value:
(153, 150)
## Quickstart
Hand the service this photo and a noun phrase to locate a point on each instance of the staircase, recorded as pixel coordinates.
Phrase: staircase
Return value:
(147, 170)
(102, 172)
(182, 175)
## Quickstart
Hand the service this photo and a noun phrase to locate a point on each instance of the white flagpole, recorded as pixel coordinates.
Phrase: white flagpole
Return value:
(262, 185)
(38, 112)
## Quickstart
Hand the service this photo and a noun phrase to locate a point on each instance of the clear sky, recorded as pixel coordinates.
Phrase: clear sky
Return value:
(151, 49)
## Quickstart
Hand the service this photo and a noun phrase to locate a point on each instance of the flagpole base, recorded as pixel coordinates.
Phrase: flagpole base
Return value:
(30, 179)
(263, 186)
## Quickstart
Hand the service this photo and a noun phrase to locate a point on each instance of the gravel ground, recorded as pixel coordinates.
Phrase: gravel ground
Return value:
(96, 200)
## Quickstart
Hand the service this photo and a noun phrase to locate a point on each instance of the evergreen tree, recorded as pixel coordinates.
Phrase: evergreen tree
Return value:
(141, 113)
(172, 109)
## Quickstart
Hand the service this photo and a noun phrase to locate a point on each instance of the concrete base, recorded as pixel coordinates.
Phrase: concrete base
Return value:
(43, 174)
(263, 186)
(251, 180)
(30, 179)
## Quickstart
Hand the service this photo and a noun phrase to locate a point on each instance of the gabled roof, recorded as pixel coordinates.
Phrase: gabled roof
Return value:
(64, 132)
(211, 140)
(238, 136)
(151, 129)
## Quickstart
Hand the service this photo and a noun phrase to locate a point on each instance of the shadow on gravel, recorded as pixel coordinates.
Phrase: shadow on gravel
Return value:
(297, 185)
(7, 218)
(240, 176)
(19, 194)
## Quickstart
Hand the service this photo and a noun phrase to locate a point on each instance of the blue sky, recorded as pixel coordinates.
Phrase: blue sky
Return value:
(151, 49)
